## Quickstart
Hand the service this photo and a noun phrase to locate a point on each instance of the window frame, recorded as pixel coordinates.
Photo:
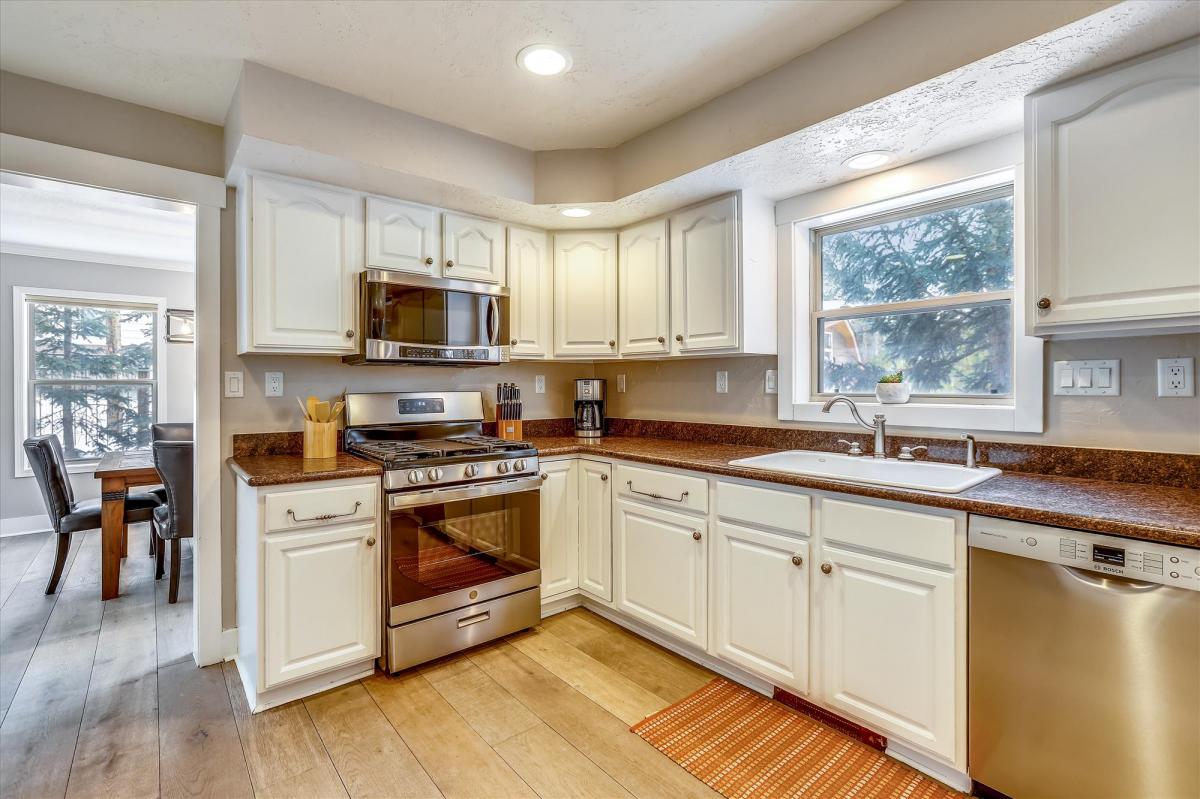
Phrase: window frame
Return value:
(24, 384)
(897, 191)
(974, 299)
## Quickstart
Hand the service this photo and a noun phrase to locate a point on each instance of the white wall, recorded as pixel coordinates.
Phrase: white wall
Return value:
(19, 495)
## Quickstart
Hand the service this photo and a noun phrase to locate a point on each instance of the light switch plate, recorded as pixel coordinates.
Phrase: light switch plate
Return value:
(722, 382)
(1101, 378)
(539, 384)
(1176, 377)
(273, 384)
(620, 384)
(233, 384)
(771, 382)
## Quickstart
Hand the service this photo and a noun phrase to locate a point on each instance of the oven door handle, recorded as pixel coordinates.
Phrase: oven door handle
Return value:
(404, 499)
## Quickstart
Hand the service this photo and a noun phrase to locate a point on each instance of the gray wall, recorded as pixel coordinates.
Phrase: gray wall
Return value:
(19, 496)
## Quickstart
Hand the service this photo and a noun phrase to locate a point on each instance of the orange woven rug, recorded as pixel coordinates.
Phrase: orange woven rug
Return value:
(745, 745)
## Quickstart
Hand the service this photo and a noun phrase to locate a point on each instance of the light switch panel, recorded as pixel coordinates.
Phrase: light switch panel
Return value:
(722, 382)
(771, 382)
(539, 384)
(1088, 378)
(620, 384)
(233, 384)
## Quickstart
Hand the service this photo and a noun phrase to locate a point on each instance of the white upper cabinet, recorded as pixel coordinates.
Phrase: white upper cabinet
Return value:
(704, 282)
(1113, 198)
(403, 236)
(585, 294)
(531, 299)
(472, 248)
(645, 289)
(299, 255)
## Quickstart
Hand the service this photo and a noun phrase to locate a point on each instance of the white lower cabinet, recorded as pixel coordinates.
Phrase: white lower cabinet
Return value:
(321, 600)
(595, 529)
(887, 648)
(559, 527)
(662, 569)
(761, 604)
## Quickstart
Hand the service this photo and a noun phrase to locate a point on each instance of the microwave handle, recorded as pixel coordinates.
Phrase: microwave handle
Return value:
(493, 321)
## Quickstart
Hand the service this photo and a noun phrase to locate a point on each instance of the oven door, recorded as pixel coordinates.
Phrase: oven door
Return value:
(451, 547)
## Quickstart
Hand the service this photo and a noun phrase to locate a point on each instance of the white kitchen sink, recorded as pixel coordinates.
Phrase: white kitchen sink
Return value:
(922, 475)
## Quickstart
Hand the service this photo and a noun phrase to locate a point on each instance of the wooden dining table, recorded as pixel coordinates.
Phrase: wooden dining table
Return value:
(117, 472)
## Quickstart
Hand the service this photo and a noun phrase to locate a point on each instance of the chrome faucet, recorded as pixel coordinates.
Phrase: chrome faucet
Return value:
(879, 427)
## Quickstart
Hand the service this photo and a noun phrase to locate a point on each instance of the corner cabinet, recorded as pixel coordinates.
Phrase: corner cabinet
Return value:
(299, 254)
(585, 294)
(559, 527)
(1112, 199)
(472, 248)
(531, 297)
(595, 529)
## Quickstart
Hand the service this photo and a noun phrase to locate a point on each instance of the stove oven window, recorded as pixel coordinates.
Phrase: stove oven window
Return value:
(445, 547)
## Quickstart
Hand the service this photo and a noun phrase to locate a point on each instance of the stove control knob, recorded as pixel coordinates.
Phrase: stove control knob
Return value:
(471, 470)
(434, 474)
(519, 466)
(414, 477)
(502, 467)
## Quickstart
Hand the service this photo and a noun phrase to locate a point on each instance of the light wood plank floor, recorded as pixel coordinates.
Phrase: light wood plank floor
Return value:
(103, 700)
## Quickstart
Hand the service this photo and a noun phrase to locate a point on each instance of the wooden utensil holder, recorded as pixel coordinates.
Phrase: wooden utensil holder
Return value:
(509, 429)
(320, 439)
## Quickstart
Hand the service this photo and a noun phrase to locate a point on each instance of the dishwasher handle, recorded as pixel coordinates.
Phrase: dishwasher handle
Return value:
(1110, 582)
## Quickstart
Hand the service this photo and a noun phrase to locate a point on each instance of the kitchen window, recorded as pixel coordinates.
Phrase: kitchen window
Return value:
(88, 368)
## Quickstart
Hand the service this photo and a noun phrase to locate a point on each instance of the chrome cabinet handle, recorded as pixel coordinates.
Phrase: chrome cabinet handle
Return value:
(652, 495)
(349, 334)
(696, 535)
(1044, 303)
(826, 568)
(797, 560)
(429, 260)
(371, 541)
(324, 517)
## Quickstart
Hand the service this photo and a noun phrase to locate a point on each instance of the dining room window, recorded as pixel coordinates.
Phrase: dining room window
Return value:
(90, 369)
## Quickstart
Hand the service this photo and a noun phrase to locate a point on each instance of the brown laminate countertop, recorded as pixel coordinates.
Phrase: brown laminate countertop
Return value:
(1147, 512)
(274, 470)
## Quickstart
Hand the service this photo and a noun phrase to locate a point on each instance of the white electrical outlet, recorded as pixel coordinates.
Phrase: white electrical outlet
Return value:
(620, 384)
(539, 384)
(233, 384)
(722, 382)
(1176, 377)
(771, 382)
(273, 384)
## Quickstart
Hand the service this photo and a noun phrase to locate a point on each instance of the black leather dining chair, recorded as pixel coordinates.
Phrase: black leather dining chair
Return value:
(167, 431)
(67, 515)
(173, 521)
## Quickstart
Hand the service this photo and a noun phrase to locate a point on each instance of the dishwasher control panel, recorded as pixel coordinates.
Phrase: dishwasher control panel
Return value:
(1103, 554)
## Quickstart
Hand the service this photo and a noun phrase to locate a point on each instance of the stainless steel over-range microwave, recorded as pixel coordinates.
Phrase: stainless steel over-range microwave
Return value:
(417, 319)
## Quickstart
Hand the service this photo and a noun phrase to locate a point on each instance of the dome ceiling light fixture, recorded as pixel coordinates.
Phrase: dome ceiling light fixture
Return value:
(544, 59)
(868, 160)
(576, 213)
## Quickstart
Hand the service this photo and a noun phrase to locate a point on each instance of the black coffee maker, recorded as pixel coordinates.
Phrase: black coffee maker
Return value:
(589, 408)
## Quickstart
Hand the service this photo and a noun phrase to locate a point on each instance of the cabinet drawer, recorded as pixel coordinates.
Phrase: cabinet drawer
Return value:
(765, 507)
(289, 510)
(920, 536)
(663, 488)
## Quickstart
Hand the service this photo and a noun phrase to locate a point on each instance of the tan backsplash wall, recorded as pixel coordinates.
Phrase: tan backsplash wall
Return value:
(684, 390)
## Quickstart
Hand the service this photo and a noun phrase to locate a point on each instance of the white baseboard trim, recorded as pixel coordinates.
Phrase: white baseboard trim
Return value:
(22, 525)
(934, 768)
(229, 643)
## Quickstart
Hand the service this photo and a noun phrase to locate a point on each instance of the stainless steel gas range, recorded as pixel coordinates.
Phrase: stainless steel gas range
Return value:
(461, 522)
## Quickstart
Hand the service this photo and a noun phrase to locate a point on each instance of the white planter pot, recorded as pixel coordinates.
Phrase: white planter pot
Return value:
(891, 393)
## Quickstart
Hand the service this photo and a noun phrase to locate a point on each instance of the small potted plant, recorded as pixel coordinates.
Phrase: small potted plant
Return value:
(891, 389)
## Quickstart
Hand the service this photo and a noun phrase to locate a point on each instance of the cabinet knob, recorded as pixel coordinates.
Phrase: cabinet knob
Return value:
(513, 342)
(545, 476)
(696, 535)
(429, 260)
(679, 337)
(1044, 303)
(612, 343)
(449, 264)
(662, 340)
(604, 478)
(371, 541)
(797, 560)
(349, 334)
(826, 568)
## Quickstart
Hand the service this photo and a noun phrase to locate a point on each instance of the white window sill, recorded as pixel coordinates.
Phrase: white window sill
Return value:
(955, 416)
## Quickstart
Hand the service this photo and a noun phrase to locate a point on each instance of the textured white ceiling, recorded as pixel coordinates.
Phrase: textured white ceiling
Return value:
(636, 64)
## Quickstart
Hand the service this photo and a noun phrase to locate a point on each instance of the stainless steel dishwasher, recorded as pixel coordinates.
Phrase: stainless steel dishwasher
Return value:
(1084, 664)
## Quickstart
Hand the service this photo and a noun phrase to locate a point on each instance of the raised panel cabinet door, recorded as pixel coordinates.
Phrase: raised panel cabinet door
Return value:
(1114, 195)
(645, 289)
(705, 297)
(306, 253)
(761, 603)
(321, 601)
(403, 236)
(472, 248)
(595, 529)
(887, 646)
(662, 577)
(559, 528)
(585, 294)
(531, 298)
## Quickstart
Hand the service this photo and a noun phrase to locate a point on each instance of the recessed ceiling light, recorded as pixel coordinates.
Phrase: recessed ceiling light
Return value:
(575, 212)
(868, 160)
(543, 59)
